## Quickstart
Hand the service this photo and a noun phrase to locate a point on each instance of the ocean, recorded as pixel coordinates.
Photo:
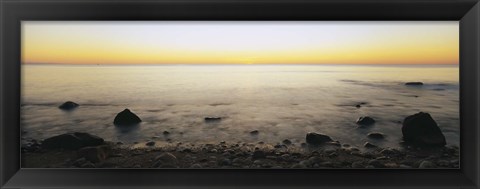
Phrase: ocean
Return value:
(280, 101)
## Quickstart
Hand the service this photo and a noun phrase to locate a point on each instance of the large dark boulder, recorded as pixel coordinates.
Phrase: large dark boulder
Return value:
(365, 121)
(72, 141)
(126, 117)
(69, 105)
(421, 129)
(316, 139)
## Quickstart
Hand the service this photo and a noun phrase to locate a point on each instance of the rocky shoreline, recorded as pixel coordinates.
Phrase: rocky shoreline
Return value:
(424, 146)
(239, 155)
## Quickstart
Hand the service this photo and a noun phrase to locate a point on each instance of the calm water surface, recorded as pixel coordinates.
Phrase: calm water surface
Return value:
(281, 102)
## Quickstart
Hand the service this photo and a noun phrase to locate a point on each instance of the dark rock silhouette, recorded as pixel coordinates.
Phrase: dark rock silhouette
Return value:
(151, 143)
(212, 119)
(376, 135)
(316, 139)
(126, 117)
(72, 141)
(416, 83)
(69, 105)
(369, 145)
(421, 129)
(254, 132)
(364, 121)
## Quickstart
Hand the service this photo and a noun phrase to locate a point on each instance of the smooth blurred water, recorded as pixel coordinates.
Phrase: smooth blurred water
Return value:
(280, 101)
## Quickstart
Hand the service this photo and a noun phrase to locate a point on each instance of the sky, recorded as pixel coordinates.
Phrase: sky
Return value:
(240, 42)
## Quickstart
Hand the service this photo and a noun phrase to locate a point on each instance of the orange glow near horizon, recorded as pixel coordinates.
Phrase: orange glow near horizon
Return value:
(240, 42)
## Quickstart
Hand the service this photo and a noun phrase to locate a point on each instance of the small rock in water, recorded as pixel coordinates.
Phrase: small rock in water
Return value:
(254, 132)
(416, 83)
(166, 133)
(316, 138)
(287, 142)
(358, 106)
(151, 143)
(69, 105)
(365, 121)
(376, 135)
(126, 118)
(369, 145)
(212, 119)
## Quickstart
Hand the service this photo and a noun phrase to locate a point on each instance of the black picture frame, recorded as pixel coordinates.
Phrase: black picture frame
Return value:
(14, 11)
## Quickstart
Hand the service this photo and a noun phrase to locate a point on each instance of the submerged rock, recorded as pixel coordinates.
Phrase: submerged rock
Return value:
(72, 141)
(69, 105)
(364, 121)
(126, 117)
(212, 119)
(415, 83)
(421, 129)
(254, 132)
(316, 139)
(376, 135)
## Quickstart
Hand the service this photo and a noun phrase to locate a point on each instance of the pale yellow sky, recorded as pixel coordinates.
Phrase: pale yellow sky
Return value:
(213, 42)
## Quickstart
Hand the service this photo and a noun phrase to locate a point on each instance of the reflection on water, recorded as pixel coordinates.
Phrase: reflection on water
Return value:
(281, 102)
